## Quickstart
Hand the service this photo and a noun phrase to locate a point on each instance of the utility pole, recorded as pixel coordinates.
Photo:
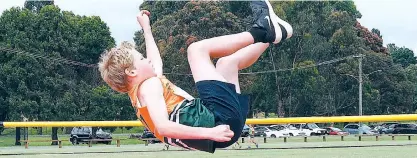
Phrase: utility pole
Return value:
(360, 92)
(360, 80)
(360, 85)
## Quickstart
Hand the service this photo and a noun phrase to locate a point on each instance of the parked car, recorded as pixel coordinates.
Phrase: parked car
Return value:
(148, 134)
(271, 132)
(354, 129)
(406, 128)
(259, 132)
(386, 130)
(335, 131)
(292, 131)
(84, 134)
(310, 128)
(387, 124)
(245, 131)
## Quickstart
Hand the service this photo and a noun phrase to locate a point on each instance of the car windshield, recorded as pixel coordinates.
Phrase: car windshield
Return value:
(366, 127)
(273, 129)
(292, 127)
(312, 125)
(336, 129)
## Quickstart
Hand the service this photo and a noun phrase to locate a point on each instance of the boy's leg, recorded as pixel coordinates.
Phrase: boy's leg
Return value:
(215, 91)
(266, 28)
(201, 53)
(229, 66)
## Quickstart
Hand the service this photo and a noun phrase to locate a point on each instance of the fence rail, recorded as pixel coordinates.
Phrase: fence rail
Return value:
(369, 118)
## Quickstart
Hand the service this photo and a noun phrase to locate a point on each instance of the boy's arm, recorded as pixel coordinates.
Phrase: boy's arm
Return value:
(152, 51)
(151, 94)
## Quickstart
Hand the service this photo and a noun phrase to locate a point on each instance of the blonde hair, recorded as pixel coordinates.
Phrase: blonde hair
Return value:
(113, 64)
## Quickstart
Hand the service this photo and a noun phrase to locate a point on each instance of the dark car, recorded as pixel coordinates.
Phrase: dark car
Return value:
(387, 124)
(85, 134)
(245, 131)
(148, 134)
(387, 129)
(405, 128)
(260, 131)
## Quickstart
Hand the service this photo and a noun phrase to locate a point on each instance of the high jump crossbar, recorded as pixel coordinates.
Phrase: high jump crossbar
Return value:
(333, 119)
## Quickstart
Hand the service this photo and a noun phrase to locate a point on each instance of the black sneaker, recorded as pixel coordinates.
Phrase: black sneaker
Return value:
(265, 18)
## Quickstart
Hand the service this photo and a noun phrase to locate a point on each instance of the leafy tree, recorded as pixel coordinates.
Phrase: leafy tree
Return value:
(34, 87)
(372, 39)
(37, 5)
(402, 55)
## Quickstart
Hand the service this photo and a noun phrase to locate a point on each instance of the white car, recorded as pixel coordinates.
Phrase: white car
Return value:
(271, 132)
(292, 131)
(309, 128)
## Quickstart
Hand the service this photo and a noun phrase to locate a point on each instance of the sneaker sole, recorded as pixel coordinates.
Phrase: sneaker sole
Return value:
(275, 21)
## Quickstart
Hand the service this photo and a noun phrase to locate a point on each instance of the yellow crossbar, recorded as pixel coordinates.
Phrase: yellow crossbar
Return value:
(371, 118)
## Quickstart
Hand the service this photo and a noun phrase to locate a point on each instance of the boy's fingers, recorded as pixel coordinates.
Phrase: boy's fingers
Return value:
(230, 134)
(227, 126)
(227, 139)
(145, 12)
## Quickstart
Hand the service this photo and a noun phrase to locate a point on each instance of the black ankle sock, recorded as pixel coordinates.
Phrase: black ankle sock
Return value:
(258, 34)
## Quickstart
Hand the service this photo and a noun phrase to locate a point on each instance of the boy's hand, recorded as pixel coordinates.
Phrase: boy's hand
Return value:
(143, 19)
(221, 133)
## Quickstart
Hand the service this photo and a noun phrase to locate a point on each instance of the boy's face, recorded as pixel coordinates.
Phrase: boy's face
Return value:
(143, 69)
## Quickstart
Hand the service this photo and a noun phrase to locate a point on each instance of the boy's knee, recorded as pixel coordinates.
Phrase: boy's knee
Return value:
(194, 49)
(226, 62)
(221, 62)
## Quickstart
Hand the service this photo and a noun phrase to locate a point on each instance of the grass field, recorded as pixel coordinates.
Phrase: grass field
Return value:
(294, 148)
(9, 140)
(6, 141)
(387, 149)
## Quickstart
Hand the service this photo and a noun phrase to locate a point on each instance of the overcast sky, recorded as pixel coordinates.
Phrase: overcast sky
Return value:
(396, 19)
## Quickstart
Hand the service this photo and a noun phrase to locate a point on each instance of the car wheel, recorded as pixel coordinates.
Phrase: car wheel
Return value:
(74, 141)
(291, 134)
(273, 136)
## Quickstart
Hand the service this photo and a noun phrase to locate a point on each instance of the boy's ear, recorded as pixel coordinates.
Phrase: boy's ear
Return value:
(130, 72)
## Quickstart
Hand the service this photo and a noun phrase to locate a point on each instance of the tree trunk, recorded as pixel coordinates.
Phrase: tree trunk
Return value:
(280, 109)
(281, 112)
(39, 131)
(54, 135)
(17, 136)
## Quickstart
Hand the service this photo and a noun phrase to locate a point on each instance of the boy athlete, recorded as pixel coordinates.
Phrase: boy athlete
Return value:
(216, 118)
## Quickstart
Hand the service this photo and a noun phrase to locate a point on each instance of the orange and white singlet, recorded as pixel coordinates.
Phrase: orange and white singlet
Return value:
(173, 96)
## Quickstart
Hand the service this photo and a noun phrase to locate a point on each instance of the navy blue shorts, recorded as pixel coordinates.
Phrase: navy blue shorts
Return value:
(228, 107)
